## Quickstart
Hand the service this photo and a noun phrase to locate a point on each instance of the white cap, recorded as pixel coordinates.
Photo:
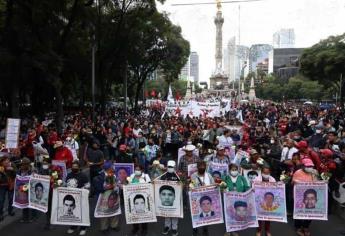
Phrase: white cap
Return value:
(171, 164)
(189, 147)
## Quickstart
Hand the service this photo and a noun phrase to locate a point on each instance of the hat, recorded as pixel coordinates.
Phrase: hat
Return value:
(319, 127)
(312, 122)
(307, 162)
(25, 160)
(155, 162)
(326, 152)
(253, 152)
(122, 147)
(107, 165)
(171, 163)
(301, 144)
(58, 144)
(220, 147)
(189, 148)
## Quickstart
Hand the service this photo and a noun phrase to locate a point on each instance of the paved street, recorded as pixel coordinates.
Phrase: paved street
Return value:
(318, 228)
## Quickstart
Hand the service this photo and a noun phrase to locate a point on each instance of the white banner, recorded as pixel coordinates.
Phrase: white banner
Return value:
(139, 203)
(194, 109)
(12, 133)
(70, 206)
(168, 198)
(39, 192)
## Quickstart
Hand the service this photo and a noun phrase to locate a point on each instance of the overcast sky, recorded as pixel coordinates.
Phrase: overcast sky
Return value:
(312, 21)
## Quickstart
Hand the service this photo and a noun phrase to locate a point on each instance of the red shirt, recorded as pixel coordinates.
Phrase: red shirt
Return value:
(64, 154)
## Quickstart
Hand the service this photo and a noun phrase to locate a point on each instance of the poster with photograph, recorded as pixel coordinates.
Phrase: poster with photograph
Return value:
(250, 175)
(270, 201)
(240, 211)
(21, 192)
(62, 166)
(108, 204)
(12, 133)
(217, 170)
(122, 171)
(206, 206)
(168, 198)
(139, 203)
(70, 206)
(39, 192)
(311, 201)
(192, 168)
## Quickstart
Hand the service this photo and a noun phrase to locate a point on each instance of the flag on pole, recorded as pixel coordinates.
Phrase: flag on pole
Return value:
(170, 97)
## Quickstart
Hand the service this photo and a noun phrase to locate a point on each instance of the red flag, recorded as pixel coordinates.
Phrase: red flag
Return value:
(178, 97)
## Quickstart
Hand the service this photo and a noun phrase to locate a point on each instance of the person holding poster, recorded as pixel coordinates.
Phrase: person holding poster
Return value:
(235, 183)
(305, 175)
(265, 177)
(199, 179)
(167, 195)
(21, 194)
(106, 185)
(139, 177)
(75, 179)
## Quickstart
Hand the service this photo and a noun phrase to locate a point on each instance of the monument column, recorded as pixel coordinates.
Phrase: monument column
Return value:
(219, 20)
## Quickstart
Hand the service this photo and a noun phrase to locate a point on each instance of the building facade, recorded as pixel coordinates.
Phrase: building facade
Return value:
(194, 66)
(284, 38)
(258, 53)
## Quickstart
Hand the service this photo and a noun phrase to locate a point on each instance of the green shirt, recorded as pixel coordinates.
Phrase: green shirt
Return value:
(241, 184)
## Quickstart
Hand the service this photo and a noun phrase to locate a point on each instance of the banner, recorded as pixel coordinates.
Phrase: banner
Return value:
(194, 109)
(311, 201)
(217, 170)
(70, 206)
(206, 206)
(240, 211)
(270, 201)
(12, 133)
(21, 192)
(108, 204)
(139, 203)
(39, 192)
(122, 171)
(62, 166)
(240, 155)
(168, 198)
(192, 169)
(250, 175)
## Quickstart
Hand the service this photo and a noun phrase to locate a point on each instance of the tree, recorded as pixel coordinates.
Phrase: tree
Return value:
(325, 62)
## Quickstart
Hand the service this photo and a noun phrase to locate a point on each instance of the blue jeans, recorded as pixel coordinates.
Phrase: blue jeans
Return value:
(3, 192)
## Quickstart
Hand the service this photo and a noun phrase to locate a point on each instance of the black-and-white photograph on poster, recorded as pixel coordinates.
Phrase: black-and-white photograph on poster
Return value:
(70, 206)
(39, 192)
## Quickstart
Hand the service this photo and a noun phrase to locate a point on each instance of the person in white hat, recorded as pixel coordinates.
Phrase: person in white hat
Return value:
(170, 223)
(220, 157)
(187, 159)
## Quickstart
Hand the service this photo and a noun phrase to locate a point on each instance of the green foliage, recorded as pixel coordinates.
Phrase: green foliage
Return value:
(297, 88)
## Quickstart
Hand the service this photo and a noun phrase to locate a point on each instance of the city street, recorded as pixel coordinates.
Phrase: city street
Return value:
(332, 227)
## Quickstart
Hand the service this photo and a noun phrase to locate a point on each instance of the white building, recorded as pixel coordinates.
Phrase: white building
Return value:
(194, 67)
(284, 38)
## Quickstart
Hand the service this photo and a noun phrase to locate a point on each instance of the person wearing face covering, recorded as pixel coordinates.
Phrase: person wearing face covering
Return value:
(170, 223)
(77, 179)
(306, 174)
(265, 177)
(198, 179)
(237, 183)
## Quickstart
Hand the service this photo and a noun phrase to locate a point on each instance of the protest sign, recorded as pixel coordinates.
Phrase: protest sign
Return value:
(39, 192)
(12, 133)
(168, 198)
(240, 155)
(122, 171)
(250, 175)
(70, 206)
(311, 201)
(62, 166)
(139, 203)
(108, 204)
(206, 206)
(270, 201)
(218, 170)
(21, 192)
(240, 211)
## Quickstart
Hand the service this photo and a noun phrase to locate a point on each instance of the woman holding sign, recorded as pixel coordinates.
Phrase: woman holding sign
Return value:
(235, 182)
(306, 174)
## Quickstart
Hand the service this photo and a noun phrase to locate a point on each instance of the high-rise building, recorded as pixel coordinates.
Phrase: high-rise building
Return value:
(194, 66)
(185, 71)
(258, 53)
(234, 58)
(284, 38)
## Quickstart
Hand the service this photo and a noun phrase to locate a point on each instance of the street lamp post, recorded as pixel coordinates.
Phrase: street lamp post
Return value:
(93, 82)
(239, 80)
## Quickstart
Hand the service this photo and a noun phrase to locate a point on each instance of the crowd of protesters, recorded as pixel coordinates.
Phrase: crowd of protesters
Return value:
(295, 142)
